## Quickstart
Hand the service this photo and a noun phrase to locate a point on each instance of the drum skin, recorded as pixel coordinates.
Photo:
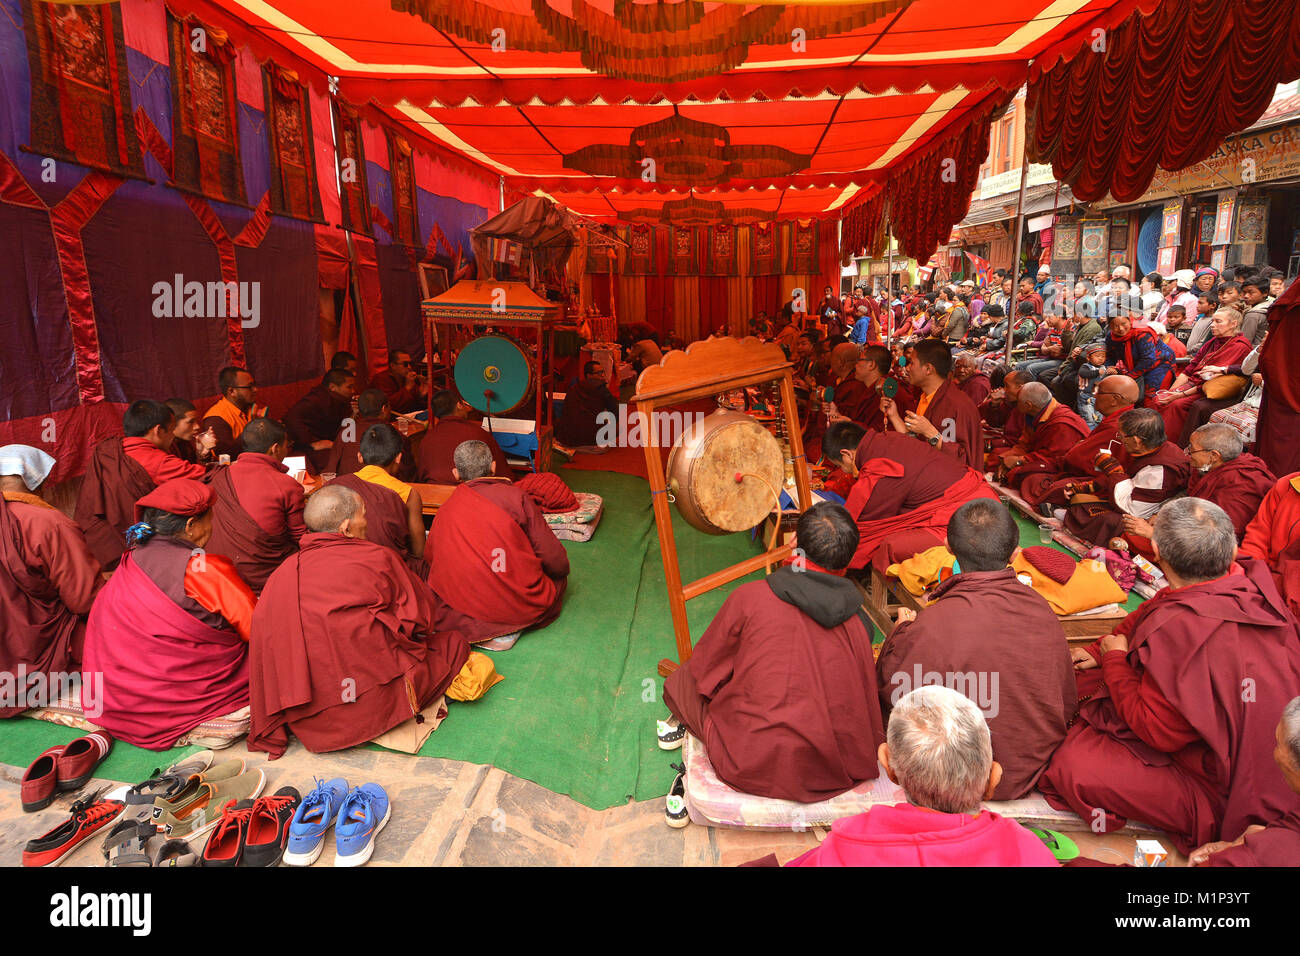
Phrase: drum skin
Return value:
(702, 469)
(494, 362)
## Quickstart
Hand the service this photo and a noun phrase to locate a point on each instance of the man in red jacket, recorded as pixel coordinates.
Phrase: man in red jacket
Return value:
(781, 689)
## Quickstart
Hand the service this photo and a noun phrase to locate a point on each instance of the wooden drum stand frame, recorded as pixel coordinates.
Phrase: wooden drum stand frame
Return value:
(702, 371)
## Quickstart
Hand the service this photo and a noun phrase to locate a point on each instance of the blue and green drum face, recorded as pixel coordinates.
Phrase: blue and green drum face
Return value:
(495, 364)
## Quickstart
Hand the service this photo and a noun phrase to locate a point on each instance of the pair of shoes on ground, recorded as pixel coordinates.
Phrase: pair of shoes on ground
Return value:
(188, 809)
(357, 816)
(671, 734)
(63, 769)
(252, 832)
(86, 817)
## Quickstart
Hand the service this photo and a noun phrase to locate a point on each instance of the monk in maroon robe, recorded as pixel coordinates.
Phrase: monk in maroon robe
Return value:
(1116, 394)
(1134, 482)
(48, 577)
(495, 564)
(998, 639)
(970, 380)
(853, 399)
(903, 494)
(315, 418)
(945, 417)
(1273, 536)
(781, 688)
(344, 646)
(394, 511)
(345, 456)
(231, 413)
(148, 426)
(1051, 431)
(578, 423)
(1178, 706)
(435, 456)
(1233, 479)
(400, 383)
(1278, 843)
(258, 516)
(106, 502)
(169, 631)
(1279, 414)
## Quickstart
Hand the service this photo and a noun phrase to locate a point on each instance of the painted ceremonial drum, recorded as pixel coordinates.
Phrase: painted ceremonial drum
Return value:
(494, 374)
(703, 465)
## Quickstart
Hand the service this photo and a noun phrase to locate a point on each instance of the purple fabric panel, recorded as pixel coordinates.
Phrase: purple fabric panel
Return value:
(151, 90)
(455, 217)
(254, 153)
(285, 346)
(401, 292)
(381, 197)
(36, 357)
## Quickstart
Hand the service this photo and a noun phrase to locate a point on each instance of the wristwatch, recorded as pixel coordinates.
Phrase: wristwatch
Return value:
(933, 441)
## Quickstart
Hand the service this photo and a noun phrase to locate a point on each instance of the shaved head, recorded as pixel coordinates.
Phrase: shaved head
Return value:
(843, 357)
(1034, 397)
(329, 507)
(1122, 387)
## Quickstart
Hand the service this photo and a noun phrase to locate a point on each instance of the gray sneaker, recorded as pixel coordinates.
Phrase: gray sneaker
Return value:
(203, 810)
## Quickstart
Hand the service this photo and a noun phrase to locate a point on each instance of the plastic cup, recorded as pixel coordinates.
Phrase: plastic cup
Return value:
(1045, 533)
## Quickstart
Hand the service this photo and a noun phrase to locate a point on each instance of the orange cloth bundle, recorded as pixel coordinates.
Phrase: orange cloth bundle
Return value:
(1090, 586)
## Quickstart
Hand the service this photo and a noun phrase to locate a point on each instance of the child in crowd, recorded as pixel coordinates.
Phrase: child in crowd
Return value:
(1091, 372)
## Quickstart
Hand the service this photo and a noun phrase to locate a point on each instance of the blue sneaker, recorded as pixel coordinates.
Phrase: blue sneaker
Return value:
(365, 812)
(313, 818)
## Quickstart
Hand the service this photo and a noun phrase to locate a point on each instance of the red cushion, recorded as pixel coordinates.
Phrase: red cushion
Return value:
(1057, 565)
(549, 491)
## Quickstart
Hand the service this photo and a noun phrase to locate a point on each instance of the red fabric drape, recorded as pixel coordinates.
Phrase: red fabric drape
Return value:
(1106, 120)
(372, 303)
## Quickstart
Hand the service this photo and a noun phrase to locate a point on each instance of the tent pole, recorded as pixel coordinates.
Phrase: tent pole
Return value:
(889, 281)
(1020, 230)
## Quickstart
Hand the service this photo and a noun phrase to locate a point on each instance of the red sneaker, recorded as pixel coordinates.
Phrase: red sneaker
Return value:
(80, 758)
(226, 844)
(39, 782)
(268, 829)
(86, 817)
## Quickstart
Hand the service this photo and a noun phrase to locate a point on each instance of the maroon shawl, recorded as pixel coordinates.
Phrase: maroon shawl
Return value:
(253, 551)
(951, 405)
(1202, 670)
(385, 512)
(1236, 486)
(106, 502)
(344, 647)
(165, 672)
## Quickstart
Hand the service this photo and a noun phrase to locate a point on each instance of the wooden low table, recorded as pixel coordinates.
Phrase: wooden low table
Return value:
(433, 496)
(885, 596)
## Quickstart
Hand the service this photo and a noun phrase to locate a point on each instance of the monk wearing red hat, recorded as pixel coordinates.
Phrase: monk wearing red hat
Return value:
(169, 631)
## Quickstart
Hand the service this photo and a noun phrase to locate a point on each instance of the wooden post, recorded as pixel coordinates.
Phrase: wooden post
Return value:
(1020, 231)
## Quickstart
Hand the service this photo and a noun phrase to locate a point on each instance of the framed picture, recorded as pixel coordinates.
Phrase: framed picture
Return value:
(1166, 259)
(433, 279)
(1067, 239)
(1223, 220)
(1116, 258)
(1295, 243)
(1217, 259)
(1252, 221)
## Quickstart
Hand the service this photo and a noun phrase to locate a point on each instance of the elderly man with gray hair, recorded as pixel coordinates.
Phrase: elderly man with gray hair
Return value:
(939, 751)
(1051, 430)
(1278, 843)
(494, 563)
(1178, 706)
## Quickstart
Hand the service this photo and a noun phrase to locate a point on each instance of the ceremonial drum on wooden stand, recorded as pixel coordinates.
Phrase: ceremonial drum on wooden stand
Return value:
(705, 462)
(494, 374)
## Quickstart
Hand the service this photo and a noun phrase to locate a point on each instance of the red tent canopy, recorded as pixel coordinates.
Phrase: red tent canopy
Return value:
(675, 110)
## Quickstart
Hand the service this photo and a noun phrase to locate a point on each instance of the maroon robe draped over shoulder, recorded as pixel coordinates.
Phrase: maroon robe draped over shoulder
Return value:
(982, 627)
(1047, 441)
(1273, 536)
(439, 444)
(957, 417)
(386, 518)
(344, 647)
(1279, 413)
(106, 501)
(495, 564)
(1079, 463)
(1278, 844)
(254, 551)
(1225, 654)
(1236, 486)
(977, 388)
(904, 485)
(344, 458)
(165, 670)
(48, 580)
(785, 702)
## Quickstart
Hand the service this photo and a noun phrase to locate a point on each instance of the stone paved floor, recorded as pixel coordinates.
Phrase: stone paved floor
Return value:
(449, 813)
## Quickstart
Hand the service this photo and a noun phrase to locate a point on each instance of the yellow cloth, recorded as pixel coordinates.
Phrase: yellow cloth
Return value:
(922, 569)
(923, 405)
(1090, 586)
(377, 476)
(475, 679)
